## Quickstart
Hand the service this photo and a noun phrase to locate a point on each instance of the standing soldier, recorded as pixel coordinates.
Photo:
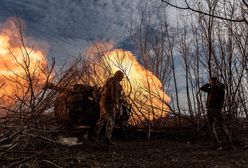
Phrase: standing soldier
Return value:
(215, 101)
(109, 105)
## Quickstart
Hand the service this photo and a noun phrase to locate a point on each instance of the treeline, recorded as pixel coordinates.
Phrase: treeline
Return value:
(210, 38)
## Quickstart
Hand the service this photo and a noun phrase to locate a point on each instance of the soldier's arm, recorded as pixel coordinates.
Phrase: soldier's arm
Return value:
(205, 88)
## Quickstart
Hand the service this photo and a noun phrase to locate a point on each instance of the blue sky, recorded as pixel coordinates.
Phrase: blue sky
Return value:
(69, 26)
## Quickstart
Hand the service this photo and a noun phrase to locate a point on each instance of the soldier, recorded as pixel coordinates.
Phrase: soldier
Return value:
(109, 105)
(215, 101)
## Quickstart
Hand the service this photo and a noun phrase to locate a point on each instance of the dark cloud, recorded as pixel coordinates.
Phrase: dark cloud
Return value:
(70, 25)
(89, 19)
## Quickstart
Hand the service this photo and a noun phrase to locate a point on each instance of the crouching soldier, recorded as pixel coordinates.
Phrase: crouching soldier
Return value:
(109, 105)
(215, 101)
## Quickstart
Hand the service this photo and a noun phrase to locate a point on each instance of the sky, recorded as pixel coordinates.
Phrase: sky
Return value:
(68, 27)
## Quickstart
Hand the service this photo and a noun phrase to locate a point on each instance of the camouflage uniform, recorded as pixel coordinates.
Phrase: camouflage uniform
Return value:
(109, 104)
(215, 101)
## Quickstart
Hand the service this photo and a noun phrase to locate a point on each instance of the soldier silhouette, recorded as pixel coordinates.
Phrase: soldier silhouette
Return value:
(109, 105)
(214, 104)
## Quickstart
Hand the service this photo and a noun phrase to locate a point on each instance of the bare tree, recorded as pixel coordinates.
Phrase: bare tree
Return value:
(27, 107)
(218, 47)
(199, 7)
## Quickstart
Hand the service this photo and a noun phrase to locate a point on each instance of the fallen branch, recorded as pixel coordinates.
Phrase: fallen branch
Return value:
(50, 162)
(26, 159)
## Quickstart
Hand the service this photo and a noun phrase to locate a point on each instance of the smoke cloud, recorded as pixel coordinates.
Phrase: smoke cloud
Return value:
(70, 26)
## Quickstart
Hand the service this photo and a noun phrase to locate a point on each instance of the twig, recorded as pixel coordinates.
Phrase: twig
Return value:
(21, 152)
(50, 162)
(2, 85)
(26, 159)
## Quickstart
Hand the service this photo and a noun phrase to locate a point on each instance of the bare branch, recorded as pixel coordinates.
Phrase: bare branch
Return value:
(188, 7)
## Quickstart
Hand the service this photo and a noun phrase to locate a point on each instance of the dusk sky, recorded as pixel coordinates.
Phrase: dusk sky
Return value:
(69, 26)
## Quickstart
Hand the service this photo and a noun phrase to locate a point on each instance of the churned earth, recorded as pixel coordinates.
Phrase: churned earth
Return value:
(142, 153)
(167, 151)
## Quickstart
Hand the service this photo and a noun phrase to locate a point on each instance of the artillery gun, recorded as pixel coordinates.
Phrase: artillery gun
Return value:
(79, 105)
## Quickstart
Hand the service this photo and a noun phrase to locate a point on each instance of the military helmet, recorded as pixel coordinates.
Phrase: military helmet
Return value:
(119, 74)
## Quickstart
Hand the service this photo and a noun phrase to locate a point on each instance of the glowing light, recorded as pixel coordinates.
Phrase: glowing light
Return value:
(147, 91)
(14, 59)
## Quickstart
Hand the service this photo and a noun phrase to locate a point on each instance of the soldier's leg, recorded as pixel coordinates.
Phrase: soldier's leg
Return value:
(102, 119)
(100, 124)
(223, 127)
(110, 126)
(227, 134)
(211, 122)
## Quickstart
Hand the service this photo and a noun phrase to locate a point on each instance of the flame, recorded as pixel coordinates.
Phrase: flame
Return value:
(147, 91)
(13, 56)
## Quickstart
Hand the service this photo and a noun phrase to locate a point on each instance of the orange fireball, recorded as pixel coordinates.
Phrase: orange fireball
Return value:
(17, 63)
(143, 87)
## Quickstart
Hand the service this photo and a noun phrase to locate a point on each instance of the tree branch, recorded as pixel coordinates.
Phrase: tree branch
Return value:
(188, 7)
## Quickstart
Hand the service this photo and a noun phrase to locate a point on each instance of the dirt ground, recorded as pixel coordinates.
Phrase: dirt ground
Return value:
(154, 153)
(159, 152)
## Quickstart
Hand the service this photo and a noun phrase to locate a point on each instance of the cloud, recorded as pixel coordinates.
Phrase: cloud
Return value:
(69, 26)
(63, 49)
(95, 19)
